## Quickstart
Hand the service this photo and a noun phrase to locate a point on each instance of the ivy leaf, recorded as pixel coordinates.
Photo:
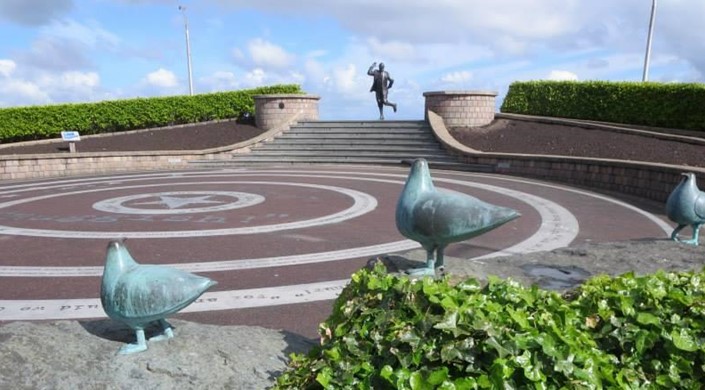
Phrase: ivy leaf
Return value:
(647, 319)
(684, 341)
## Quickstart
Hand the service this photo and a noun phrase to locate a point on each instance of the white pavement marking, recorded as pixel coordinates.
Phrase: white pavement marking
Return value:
(66, 309)
(362, 204)
(558, 229)
(175, 200)
(555, 220)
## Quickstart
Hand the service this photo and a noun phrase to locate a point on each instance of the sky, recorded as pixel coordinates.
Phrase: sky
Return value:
(59, 51)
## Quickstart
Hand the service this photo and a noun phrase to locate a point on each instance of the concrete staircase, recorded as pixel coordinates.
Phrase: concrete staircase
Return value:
(350, 142)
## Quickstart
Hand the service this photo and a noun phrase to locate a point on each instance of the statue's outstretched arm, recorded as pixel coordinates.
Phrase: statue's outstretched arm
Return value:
(370, 71)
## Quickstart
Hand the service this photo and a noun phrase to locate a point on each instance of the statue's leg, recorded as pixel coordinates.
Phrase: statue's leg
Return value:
(381, 110)
(429, 269)
(167, 332)
(674, 235)
(390, 104)
(140, 346)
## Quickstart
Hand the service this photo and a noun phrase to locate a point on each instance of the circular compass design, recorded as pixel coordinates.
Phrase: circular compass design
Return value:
(179, 202)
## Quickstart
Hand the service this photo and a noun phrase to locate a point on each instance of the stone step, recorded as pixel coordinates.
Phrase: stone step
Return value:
(363, 124)
(348, 147)
(352, 136)
(434, 164)
(303, 142)
(353, 153)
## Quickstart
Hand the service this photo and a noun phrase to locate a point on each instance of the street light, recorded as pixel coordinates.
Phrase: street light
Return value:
(645, 75)
(188, 51)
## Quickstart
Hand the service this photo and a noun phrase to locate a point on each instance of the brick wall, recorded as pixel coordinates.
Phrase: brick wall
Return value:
(273, 110)
(646, 180)
(462, 108)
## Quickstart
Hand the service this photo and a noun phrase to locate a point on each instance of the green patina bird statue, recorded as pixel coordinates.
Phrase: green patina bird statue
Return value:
(436, 218)
(139, 295)
(686, 207)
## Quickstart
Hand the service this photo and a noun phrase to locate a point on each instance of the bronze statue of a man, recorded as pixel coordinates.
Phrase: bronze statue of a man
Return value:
(381, 84)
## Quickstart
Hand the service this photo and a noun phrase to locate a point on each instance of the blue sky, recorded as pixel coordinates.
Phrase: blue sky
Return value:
(56, 51)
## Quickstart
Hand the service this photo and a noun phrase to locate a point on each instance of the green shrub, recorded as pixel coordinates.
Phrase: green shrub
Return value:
(389, 332)
(37, 122)
(674, 105)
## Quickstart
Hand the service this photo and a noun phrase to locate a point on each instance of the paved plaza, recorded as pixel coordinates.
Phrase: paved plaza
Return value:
(281, 241)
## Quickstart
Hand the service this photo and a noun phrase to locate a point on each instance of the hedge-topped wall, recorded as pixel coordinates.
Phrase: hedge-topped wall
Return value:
(672, 105)
(38, 122)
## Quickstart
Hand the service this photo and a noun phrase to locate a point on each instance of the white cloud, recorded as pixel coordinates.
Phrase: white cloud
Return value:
(255, 78)
(7, 67)
(90, 34)
(20, 92)
(162, 78)
(265, 54)
(460, 77)
(562, 75)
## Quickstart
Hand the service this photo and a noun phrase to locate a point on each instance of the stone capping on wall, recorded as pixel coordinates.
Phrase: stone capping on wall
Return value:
(37, 166)
(462, 108)
(273, 110)
(642, 179)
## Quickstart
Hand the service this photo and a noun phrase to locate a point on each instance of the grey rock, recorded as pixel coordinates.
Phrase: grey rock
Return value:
(565, 268)
(82, 355)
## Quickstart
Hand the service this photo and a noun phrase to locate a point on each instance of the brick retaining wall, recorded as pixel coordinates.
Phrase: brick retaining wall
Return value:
(273, 110)
(646, 180)
(462, 108)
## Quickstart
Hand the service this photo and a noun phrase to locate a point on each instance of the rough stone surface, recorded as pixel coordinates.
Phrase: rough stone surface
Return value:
(83, 355)
(564, 268)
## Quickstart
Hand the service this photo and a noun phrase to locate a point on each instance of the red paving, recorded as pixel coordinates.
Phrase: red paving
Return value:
(68, 207)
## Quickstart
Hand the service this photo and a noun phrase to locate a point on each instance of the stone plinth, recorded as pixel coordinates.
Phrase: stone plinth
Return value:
(274, 110)
(462, 108)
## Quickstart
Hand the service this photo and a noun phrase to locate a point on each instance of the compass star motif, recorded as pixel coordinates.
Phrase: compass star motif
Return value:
(175, 202)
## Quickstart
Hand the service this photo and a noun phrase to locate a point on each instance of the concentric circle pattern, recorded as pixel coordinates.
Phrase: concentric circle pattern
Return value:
(281, 243)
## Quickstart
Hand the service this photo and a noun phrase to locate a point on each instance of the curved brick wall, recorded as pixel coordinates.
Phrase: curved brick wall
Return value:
(274, 110)
(462, 108)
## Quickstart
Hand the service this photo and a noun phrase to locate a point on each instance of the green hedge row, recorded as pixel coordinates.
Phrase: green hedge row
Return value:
(38, 122)
(625, 332)
(672, 105)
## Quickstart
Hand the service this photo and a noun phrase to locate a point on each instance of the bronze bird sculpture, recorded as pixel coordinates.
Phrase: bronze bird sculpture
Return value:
(139, 295)
(686, 207)
(436, 218)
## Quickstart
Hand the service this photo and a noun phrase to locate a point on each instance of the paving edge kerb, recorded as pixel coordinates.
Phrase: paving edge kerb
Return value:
(646, 180)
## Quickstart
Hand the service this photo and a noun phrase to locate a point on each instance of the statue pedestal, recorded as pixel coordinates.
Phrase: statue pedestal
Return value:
(275, 110)
(462, 108)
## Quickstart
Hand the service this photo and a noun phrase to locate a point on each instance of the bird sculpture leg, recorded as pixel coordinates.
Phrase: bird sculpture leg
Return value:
(696, 232)
(167, 334)
(674, 235)
(140, 346)
(439, 259)
(429, 269)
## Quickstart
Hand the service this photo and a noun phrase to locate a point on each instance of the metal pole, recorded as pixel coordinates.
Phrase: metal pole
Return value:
(188, 51)
(647, 57)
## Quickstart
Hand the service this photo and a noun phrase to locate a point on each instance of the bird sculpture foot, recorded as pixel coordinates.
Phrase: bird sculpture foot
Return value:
(139, 346)
(420, 272)
(132, 348)
(692, 241)
(166, 335)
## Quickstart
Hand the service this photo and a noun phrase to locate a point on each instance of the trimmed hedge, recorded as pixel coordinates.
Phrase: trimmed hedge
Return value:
(38, 122)
(389, 332)
(671, 105)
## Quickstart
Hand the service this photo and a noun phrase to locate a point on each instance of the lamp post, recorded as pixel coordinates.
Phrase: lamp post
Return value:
(188, 51)
(647, 57)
